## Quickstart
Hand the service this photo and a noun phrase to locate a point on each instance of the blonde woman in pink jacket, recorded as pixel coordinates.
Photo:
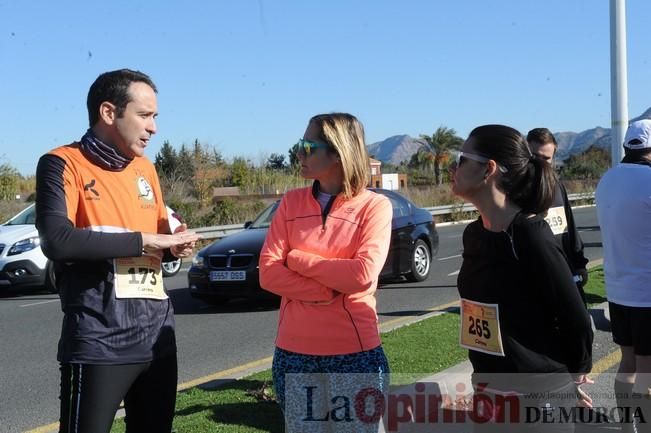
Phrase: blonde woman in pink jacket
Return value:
(324, 251)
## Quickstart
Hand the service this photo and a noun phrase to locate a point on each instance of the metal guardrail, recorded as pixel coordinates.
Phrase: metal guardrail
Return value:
(218, 232)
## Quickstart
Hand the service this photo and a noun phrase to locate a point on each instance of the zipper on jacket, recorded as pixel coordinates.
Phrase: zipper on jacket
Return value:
(328, 207)
(326, 211)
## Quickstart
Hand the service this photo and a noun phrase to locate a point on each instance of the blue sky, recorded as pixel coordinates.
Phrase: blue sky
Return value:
(245, 76)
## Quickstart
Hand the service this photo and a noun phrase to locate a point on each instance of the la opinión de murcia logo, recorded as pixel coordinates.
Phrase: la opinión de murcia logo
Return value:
(426, 405)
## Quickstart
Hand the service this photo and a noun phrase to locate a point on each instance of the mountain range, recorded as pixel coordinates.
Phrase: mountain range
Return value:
(399, 148)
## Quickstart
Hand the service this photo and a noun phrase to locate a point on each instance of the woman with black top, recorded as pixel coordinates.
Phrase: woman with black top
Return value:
(523, 321)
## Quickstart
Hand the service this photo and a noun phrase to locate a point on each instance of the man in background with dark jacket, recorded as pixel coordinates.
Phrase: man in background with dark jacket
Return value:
(559, 216)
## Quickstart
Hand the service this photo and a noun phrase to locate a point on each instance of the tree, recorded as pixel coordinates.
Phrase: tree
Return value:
(192, 172)
(423, 159)
(202, 155)
(186, 163)
(241, 173)
(294, 163)
(440, 144)
(166, 161)
(293, 155)
(9, 182)
(217, 158)
(388, 167)
(209, 168)
(589, 165)
(276, 161)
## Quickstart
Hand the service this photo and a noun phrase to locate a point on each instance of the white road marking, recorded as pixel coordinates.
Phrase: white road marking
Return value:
(39, 303)
(451, 257)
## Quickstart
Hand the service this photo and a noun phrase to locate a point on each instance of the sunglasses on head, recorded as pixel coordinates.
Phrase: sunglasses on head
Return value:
(306, 147)
(460, 157)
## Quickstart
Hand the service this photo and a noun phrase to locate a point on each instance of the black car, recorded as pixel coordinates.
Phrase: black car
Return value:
(228, 268)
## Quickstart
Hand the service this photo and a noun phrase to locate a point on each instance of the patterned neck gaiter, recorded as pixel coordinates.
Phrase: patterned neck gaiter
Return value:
(102, 154)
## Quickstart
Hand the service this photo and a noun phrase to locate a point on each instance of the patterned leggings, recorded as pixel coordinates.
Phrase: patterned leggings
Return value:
(334, 393)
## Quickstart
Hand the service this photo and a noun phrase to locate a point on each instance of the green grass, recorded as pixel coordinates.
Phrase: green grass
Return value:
(234, 407)
(595, 290)
(424, 347)
(414, 351)
(244, 406)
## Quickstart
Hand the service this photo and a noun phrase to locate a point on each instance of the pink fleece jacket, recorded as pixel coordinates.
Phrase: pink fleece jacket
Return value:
(326, 269)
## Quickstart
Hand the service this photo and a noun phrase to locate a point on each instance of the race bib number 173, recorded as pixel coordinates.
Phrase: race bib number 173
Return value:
(139, 277)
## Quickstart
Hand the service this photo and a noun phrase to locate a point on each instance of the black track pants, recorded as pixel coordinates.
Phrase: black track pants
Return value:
(91, 395)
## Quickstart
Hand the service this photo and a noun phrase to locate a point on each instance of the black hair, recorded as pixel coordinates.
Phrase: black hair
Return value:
(113, 87)
(529, 182)
(636, 155)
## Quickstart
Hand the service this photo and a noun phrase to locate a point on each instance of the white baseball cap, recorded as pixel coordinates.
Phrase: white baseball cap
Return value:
(638, 135)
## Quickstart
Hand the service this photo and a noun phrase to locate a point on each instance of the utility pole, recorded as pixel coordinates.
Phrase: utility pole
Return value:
(618, 79)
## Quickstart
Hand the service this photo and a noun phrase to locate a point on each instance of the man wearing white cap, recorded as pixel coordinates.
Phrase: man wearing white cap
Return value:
(623, 200)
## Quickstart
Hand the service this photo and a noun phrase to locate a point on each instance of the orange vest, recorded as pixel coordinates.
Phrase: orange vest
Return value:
(112, 201)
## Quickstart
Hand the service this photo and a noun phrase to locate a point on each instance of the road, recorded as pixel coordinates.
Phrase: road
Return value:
(210, 339)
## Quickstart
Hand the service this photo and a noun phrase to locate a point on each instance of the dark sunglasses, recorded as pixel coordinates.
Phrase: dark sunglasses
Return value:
(460, 157)
(305, 147)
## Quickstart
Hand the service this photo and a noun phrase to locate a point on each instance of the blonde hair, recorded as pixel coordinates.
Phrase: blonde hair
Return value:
(345, 134)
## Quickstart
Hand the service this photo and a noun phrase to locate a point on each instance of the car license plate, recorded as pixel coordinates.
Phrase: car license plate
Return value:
(227, 275)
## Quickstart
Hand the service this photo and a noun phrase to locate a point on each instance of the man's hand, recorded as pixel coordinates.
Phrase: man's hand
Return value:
(185, 249)
(180, 241)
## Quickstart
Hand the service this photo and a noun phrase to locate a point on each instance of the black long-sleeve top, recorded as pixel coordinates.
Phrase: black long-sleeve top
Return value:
(545, 327)
(570, 240)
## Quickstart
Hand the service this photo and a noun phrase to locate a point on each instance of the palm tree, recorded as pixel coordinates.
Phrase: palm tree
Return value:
(440, 144)
(423, 159)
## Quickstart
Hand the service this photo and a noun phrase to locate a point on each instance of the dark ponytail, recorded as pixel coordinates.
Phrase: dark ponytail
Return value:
(534, 191)
(528, 182)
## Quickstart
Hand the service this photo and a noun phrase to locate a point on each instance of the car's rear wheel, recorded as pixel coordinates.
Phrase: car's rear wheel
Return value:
(171, 268)
(420, 262)
(50, 278)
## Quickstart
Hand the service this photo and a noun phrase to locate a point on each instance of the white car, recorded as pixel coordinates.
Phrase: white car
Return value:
(172, 268)
(23, 264)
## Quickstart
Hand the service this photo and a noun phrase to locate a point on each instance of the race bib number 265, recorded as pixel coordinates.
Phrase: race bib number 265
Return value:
(480, 327)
